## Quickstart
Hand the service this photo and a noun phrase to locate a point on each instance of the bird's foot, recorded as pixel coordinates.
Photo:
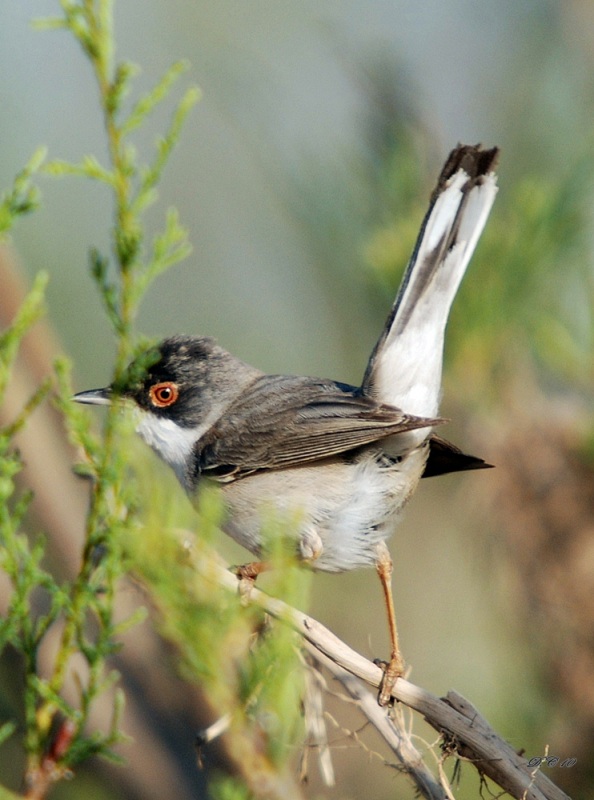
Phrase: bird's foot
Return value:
(392, 670)
(246, 577)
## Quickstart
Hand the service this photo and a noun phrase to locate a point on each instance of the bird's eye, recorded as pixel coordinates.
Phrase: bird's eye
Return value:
(163, 394)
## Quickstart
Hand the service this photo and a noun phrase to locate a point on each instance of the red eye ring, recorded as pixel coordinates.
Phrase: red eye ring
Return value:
(163, 394)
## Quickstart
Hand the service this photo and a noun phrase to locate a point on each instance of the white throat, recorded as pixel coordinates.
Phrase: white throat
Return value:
(171, 442)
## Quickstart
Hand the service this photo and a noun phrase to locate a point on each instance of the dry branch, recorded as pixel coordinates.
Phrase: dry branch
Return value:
(467, 733)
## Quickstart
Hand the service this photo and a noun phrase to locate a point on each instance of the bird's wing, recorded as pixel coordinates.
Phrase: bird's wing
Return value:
(285, 421)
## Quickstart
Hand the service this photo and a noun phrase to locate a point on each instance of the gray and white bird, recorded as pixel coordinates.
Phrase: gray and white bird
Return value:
(342, 460)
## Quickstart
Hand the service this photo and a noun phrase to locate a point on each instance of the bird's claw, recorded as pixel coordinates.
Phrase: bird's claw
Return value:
(392, 670)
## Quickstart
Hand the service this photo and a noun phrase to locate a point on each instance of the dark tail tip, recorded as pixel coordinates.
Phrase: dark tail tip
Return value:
(445, 457)
(472, 158)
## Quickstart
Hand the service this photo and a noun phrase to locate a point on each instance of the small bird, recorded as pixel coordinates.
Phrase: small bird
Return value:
(340, 459)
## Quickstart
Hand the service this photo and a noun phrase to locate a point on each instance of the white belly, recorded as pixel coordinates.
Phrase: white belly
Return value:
(340, 525)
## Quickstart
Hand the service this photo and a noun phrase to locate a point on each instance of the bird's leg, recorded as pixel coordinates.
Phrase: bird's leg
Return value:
(395, 666)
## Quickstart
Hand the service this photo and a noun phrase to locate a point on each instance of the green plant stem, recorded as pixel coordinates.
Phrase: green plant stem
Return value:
(106, 490)
(54, 725)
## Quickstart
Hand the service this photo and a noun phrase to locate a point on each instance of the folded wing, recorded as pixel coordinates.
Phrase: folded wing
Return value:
(293, 421)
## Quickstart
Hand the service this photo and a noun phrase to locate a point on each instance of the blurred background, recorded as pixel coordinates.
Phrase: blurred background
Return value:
(303, 175)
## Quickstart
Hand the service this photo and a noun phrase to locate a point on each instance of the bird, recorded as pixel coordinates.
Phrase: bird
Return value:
(342, 460)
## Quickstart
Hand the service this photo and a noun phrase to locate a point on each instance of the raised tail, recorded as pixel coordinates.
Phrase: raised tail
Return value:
(405, 367)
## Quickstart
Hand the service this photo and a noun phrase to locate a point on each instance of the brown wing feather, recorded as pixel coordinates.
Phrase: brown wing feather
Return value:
(293, 421)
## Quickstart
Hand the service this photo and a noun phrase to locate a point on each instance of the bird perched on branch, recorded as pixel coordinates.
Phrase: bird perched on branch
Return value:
(343, 460)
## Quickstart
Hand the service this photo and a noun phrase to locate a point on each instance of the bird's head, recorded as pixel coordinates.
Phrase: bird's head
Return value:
(179, 388)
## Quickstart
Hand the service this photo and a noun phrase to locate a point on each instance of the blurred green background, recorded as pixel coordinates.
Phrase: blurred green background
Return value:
(302, 176)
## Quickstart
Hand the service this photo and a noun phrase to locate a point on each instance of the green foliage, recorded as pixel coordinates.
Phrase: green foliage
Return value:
(10, 339)
(55, 736)
(228, 789)
(19, 560)
(49, 718)
(133, 184)
(248, 667)
(6, 795)
(23, 197)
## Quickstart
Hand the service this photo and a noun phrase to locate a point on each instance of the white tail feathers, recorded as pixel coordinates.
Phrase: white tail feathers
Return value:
(405, 367)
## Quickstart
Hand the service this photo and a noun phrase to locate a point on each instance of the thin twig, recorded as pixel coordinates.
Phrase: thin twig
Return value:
(395, 735)
(316, 733)
(468, 732)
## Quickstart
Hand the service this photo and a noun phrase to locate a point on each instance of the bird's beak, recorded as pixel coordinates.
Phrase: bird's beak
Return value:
(95, 397)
